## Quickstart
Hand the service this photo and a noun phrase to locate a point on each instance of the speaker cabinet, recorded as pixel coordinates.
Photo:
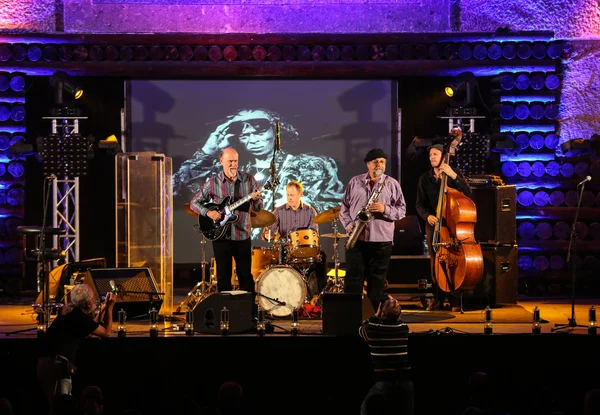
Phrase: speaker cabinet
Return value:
(500, 283)
(207, 313)
(136, 289)
(496, 214)
(343, 313)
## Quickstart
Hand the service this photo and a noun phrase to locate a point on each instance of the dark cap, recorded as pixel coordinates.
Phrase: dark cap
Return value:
(437, 147)
(376, 153)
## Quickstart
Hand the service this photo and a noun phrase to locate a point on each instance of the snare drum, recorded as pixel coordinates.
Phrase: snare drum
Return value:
(304, 243)
(284, 284)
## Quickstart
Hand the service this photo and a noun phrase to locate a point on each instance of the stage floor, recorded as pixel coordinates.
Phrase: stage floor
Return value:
(17, 318)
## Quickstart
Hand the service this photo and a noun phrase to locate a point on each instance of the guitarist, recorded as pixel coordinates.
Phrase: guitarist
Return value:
(428, 191)
(236, 240)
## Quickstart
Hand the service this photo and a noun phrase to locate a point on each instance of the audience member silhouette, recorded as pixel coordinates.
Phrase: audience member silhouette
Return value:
(92, 400)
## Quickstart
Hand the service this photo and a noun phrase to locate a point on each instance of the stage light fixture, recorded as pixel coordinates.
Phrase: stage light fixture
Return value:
(121, 327)
(224, 321)
(41, 324)
(592, 323)
(488, 324)
(65, 156)
(461, 90)
(260, 323)
(536, 327)
(61, 81)
(295, 327)
(153, 322)
(189, 322)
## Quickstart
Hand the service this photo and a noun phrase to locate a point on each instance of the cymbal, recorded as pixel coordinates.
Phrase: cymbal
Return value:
(331, 235)
(328, 216)
(261, 219)
(189, 211)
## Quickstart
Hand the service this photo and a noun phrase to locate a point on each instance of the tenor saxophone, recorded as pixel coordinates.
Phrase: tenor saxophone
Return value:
(364, 216)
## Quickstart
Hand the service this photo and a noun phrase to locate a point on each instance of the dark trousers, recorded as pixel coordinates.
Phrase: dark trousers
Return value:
(241, 251)
(370, 261)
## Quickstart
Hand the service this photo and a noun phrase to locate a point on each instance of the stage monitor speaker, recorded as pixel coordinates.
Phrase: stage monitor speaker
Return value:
(499, 284)
(207, 313)
(408, 238)
(344, 313)
(496, 214)
(136, 289)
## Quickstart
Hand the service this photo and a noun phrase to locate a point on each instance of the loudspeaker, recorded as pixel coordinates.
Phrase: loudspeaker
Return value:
(496, 214)
(207, 313)
(344, 313)
(500, 281)
(408, 238)
(136, 289)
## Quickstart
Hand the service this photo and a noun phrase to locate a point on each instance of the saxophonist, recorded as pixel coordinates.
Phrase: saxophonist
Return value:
(371, 204)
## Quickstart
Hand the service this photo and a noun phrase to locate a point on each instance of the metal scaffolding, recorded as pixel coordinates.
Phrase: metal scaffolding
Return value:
(65, 196)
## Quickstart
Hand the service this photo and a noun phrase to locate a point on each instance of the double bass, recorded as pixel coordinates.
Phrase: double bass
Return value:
(458, 256)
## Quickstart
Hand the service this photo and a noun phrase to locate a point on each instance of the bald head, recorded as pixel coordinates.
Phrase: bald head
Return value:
(229, 161)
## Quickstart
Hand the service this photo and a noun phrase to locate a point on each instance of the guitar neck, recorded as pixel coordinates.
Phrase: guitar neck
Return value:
(243, 200)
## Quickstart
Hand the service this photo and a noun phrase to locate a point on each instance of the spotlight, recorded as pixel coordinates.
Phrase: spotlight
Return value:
(189, 322)
(487, 324)
(260, 323)
(153, 323)
(461, 90)
(536, 327)
(592, 324)
(224, 325)
(121, 328)
(295, 327)
(41, 326)
(60, 81)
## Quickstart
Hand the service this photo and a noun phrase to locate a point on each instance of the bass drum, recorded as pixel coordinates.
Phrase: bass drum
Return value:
(281, 283)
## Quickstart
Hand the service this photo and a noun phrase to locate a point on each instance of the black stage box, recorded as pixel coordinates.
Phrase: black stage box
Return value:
(499, 284)
(343, 313)
(207, 313)
(496, 214)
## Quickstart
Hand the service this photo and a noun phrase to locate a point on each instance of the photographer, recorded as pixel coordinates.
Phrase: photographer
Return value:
(74, 323)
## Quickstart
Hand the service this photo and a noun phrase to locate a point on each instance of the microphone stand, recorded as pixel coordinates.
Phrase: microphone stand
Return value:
(572, 323)
(276, 148)
(43, 280)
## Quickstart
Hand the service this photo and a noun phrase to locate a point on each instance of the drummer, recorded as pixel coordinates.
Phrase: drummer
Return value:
(293, 215)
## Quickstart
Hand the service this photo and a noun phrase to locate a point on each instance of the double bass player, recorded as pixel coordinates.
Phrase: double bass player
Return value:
(428, 190)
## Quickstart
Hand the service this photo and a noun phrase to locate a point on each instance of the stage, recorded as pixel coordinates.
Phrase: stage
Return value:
(316, 373)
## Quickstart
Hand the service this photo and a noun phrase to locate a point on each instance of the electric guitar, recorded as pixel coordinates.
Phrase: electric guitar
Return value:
(213, 229)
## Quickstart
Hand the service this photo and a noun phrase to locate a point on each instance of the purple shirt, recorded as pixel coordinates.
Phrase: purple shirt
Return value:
(288, 219)
(216, 188)
(356, 196)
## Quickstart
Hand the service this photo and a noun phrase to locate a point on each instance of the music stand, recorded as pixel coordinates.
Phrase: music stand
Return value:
(572, 323)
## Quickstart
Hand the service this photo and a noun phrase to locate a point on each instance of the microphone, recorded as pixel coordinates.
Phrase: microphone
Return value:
(277, 135)
(587, 179)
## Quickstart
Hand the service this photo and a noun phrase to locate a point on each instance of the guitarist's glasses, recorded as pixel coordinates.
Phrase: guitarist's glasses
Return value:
(260, 126)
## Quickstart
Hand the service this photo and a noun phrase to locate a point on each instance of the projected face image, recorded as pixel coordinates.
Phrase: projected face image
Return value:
(254, 130)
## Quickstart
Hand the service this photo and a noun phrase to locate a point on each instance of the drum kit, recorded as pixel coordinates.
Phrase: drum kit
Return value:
(280, 269)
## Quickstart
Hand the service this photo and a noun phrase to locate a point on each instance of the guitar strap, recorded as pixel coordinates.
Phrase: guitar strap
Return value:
(237, 195)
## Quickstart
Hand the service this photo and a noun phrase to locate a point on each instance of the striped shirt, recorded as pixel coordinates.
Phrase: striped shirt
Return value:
(217, 188)
(288, 219)
(389, 348)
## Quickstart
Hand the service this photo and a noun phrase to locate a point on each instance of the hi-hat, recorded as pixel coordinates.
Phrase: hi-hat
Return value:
(189, 211)
(331, 235)
(328, 216)
(261, 219)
